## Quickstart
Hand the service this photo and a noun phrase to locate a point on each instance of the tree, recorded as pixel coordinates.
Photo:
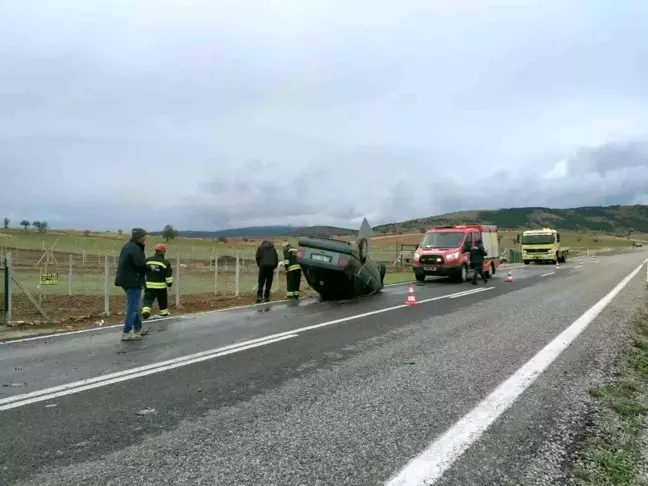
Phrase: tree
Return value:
(41, 226)
(25, 224)
(6, 223)
(169, 232)
(222, 239)
(120, 232)
(86, 233)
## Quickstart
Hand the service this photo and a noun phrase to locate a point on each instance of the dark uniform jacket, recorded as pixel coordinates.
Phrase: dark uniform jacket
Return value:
(266, 255)
(132, 266)
(477, 254)
(290, 259)
(160, 273)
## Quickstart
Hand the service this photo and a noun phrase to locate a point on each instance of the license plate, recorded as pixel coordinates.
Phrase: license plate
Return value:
(321, 258)
(430, 269)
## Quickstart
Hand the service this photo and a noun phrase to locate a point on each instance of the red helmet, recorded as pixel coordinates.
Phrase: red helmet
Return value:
(161, 248)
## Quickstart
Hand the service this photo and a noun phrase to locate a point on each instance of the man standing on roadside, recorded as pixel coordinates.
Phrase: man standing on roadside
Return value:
(293, 271)
(267, 260)
(131, 275)
(159, 278)
(477, 254)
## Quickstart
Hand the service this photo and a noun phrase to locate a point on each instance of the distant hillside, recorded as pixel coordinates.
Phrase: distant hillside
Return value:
(268, 231)
(609, 219)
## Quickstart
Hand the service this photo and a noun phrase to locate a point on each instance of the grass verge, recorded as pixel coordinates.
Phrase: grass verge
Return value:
(615, 452)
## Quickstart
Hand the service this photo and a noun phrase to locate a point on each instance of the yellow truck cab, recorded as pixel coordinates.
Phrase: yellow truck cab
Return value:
(542, 246)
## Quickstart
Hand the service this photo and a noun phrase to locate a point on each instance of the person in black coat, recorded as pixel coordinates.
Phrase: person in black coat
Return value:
(267, 260)
(477, 255)
(131, 276)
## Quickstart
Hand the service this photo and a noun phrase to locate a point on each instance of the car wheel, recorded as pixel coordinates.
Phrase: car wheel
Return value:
(420, 277)
(363, 248)
(526, 262)
(463, 274)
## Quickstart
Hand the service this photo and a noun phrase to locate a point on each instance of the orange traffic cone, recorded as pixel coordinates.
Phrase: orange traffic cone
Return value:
(557, 265)
(509, 277)
(411, 298)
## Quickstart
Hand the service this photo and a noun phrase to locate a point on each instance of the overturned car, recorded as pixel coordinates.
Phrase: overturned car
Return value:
(339, 270)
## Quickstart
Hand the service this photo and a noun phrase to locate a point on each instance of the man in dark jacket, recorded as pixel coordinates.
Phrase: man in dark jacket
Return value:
(477, 254)
(131, 274)
(267, 260)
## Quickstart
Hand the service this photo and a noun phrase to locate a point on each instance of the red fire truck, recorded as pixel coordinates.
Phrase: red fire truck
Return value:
(445, 251)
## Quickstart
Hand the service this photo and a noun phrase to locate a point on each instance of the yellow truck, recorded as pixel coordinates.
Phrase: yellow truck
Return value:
(542, 246)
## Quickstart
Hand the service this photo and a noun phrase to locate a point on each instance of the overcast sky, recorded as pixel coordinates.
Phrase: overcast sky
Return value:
(212, 114)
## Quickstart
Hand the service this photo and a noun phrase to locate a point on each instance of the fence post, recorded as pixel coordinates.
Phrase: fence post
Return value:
(106, 286)
(70, 275)
(238, 275)
(215, 274)
(7, 289)
(176, 280)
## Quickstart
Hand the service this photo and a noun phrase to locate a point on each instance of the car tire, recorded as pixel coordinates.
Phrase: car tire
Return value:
(420, 277)
(462, 277)
(526, 262)
(363, 249)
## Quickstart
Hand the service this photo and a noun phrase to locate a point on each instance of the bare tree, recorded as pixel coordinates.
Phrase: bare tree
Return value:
(25, 224)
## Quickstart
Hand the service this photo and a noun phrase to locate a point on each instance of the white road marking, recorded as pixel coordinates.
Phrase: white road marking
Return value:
(470, 292)
(78, 386)
(182, 316)
(433, 462)
(547, 274)
(63, 390)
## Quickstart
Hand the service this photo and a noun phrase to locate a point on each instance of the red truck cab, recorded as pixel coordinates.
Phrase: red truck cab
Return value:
(445, 251)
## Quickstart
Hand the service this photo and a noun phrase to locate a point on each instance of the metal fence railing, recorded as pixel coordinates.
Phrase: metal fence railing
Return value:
(49, 287)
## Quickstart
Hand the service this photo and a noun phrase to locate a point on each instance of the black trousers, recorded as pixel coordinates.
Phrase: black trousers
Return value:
(479, 270)
(162, 297)
(293, 281)
(266, 275)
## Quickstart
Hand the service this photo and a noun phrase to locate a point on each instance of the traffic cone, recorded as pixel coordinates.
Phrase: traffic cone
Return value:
(509, 277)
(557, 265)
(411, 298)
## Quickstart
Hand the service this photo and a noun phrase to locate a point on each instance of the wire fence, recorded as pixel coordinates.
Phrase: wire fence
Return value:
(48, 286)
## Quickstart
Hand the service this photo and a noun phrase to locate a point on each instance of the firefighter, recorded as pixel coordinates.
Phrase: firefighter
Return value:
(293, 271)
(159, 278)
(477, 254)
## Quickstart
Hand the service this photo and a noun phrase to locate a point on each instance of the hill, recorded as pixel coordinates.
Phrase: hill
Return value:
(267, 231)
(619, 220)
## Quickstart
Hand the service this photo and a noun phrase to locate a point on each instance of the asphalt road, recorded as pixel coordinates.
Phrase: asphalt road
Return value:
(317, 393)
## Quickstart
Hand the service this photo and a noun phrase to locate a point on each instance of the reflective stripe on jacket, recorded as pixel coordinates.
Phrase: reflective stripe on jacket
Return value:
(290, 259)
(160, 274)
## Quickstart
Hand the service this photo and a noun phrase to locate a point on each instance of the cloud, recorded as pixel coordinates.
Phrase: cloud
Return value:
(214, 114)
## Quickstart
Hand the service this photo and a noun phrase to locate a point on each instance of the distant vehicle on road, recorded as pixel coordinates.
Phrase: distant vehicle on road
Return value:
(445, 251)
(543, 246)
(339, 270)
(638, 244)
